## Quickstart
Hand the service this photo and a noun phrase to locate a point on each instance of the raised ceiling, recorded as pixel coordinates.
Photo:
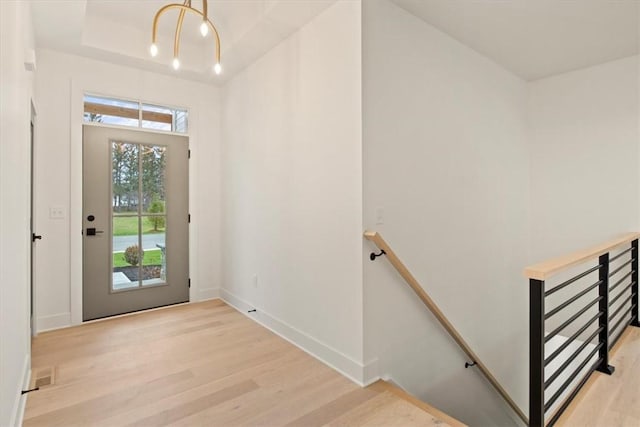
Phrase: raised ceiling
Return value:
(532, 38)
(537, 38)
(119, 31)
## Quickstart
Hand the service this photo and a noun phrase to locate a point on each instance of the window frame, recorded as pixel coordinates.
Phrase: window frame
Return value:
(140, 104)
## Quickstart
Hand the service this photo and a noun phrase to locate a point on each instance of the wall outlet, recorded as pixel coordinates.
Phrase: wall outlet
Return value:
(56, 212)
(379, 216)
(254, 280)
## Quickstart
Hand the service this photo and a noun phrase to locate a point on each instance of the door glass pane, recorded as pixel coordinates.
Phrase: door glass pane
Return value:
(125, 188)
(125, 229)
(154, 117)
(153, 242)
(153, 174)
(126, 252)
(164, 118)
(154, 218)
(111, 111)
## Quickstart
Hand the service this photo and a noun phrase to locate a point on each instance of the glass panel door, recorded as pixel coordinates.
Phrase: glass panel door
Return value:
(138, 200)
(135, 201)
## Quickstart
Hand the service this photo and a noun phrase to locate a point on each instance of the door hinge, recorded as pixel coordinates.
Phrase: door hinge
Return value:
(189, 218)
(189, 282)
(189, 153)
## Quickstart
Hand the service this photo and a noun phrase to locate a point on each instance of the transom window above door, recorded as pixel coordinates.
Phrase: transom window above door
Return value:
(119, 112)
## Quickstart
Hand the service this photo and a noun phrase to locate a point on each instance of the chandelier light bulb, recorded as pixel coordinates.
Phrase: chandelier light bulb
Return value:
(204, 29)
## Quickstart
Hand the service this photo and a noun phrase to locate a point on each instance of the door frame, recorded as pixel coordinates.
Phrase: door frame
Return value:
(33, 318)
(78, 90)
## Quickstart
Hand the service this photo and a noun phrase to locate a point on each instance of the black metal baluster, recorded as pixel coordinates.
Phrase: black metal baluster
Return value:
(603, 305)
(536, 353)
(634, 280)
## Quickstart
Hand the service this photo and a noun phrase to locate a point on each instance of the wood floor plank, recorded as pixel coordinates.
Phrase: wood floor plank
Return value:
(202, 364)
(114, 382)
(611, 400)
(242, 410)
(208, 381)
(314, 396)
(439, 415)
(121, 375)
(333, 409)
(363, 413)
(170, 415)
(388, 411)
(400, 414)
(90, 409)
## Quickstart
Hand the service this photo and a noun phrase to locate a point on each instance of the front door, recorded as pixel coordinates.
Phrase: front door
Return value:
(135, 221)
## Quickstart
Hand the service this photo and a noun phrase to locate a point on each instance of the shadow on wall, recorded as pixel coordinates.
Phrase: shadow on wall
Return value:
(433, 369)
(420, 356)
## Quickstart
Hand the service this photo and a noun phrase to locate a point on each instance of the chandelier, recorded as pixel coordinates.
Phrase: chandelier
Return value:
(204, 30)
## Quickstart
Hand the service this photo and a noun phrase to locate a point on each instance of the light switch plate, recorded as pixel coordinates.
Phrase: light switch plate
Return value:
(56, 212)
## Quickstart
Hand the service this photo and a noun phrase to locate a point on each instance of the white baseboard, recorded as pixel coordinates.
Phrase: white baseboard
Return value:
(210, 293)
(17, 414)
(370, 372)
(56, 321)
(327, 355)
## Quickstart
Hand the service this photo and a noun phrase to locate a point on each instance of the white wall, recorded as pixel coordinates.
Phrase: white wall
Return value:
(61, 81)
(445, 157)
(584, 157)
(292, 188)
(16, 93)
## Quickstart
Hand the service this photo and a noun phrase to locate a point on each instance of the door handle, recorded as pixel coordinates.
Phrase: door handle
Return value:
(35, 237)
(92, 231)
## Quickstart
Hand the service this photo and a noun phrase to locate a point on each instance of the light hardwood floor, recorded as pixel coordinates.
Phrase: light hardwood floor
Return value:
(608, 401)
(201, 364)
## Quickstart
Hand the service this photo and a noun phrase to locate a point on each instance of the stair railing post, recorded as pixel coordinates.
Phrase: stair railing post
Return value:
(536, 353)
(603, 322)
(634, 278)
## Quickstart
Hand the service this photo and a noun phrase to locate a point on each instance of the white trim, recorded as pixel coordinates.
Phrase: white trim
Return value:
(370, 372)
(139, 129)
(56, 321)
(207, 294)
(75, 201)
(21, 399)
(325, 354)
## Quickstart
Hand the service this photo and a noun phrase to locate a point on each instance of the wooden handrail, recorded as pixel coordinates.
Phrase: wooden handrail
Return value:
(544, 270)
(375, 237)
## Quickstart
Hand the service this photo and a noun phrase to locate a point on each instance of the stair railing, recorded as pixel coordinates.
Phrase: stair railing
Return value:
(577, 328)
(431, 305)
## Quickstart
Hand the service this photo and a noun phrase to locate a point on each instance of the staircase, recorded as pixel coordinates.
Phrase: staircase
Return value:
(389, 405)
